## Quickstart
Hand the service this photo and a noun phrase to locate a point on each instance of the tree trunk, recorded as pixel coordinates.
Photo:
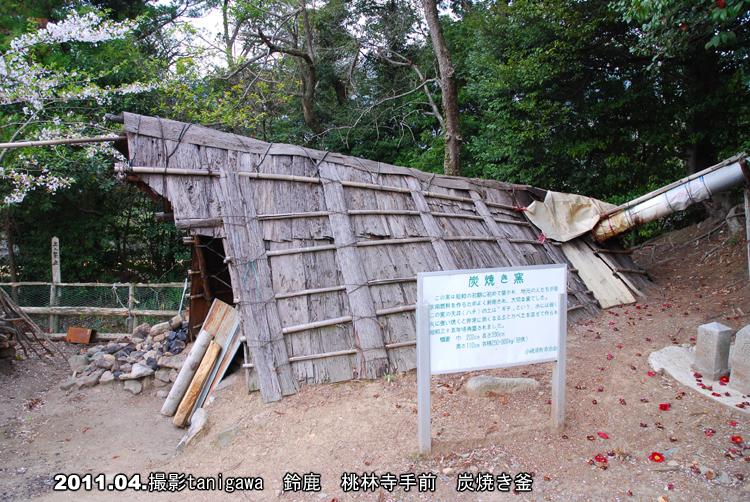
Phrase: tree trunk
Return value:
(11, 252)
(701, 152)
(452, 164)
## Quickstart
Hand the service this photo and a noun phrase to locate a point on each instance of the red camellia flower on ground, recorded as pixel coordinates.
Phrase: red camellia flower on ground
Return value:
(697, 375)
(651, 373)
(664, 407)
(601, 458)
(737, 439)
(656, 457)
(604, 435)
(724, 379)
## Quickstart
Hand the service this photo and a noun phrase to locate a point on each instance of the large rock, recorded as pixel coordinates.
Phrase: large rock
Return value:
(133, 386)
(77, 361)
(176, 322)
(90, 380)
(158, 329)
(740, 361)
(174, 362)
(141, 331)
(140, 371)
(712, 350)
(67, 385)
(197, 424)
(107, 377)
(488, 386)
(104, 364)
(162, 375)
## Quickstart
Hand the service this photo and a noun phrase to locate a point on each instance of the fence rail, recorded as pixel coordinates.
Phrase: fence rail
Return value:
(106, 307)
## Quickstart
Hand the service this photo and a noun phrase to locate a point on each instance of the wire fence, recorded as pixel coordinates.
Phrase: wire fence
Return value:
(106, 308)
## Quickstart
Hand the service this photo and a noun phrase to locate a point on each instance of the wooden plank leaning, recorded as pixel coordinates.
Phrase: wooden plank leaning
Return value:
(196, 384)
(215, 320)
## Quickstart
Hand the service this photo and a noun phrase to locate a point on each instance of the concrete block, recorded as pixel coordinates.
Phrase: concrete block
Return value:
(712, 350)
(740, 360)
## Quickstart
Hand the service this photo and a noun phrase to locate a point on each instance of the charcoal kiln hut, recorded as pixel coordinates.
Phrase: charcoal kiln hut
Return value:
(319, 251)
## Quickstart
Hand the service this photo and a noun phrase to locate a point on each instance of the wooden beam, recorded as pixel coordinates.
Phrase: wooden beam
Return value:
(197, 223)
(199, 252)
(258, 311)
(374, 360)
(508, 251)
(435, 233)
(96, 311)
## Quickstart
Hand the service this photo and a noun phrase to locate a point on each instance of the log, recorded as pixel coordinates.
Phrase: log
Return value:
(186, 374)
(196, 385)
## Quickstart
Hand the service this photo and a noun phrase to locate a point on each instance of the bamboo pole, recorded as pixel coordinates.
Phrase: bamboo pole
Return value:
(185, 377)
(386, 242)
(311, 249)
(53, 142)
(281, 296)
(317, 324)
(378, 282)
(396, 310)
(315, 214)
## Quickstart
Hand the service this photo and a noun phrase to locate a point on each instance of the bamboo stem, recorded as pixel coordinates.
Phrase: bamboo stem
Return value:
(311, 249)
(281, 296)
(387, 242)
(53, 142)
(315, 325)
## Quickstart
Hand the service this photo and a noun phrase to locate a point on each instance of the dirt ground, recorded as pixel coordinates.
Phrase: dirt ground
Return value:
(371, 426)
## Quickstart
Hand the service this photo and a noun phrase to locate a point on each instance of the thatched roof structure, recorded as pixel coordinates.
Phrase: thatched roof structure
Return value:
(321, 250)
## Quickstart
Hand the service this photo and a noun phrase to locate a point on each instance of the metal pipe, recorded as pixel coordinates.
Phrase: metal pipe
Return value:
(676, 199)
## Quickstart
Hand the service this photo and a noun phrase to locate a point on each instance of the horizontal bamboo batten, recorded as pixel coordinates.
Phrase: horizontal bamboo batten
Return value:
(311, 249)
(390, 242)
(281, 296)
(396, 310)
(288, 216)
(378, 282)
(400, 344)
(317, 324)
(53, 142)
(513, 222)
(347, 352)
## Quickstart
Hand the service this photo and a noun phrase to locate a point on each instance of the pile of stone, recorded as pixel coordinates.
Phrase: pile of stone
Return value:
(148, 358)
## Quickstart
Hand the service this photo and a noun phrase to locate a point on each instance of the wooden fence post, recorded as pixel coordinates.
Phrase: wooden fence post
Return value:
(131, 304)
(53, 294)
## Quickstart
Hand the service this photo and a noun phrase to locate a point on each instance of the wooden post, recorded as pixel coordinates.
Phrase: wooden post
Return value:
(558, 368)
(444, 255)
(246, 254)
(53, 293)
(196, 385)
(186, 374)
(374, 359)
(747, 226)
(131, 304)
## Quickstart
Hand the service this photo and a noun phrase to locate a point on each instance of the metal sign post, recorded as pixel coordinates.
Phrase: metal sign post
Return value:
(469, 320)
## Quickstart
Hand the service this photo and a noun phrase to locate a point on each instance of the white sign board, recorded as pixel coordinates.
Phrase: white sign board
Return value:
(492, 318)
(469, 320)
